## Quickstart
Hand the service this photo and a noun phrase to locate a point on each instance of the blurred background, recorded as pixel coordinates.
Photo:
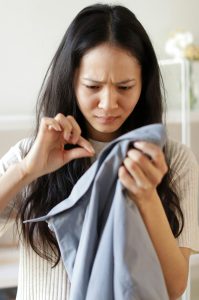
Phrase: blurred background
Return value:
(30, 33)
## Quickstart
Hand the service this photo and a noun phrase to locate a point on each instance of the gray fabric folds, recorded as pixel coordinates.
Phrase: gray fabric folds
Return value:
(104, 244)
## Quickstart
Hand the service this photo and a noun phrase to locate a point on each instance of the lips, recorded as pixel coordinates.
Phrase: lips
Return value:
(104, 119)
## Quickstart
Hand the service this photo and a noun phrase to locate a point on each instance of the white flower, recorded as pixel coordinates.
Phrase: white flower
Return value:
(175, 45)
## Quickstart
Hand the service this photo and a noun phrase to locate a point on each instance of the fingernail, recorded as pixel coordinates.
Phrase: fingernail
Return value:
(137, 144)
(90, 149)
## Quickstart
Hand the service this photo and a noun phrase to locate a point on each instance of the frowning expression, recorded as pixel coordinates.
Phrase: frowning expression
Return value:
(108, 86)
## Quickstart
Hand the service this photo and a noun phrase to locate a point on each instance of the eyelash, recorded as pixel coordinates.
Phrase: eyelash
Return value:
(125, 88)
(93, 87)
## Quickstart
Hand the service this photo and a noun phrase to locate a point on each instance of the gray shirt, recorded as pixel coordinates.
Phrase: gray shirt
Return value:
(104, 244)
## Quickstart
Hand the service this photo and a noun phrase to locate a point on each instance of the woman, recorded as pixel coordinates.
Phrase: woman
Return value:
(103, 81)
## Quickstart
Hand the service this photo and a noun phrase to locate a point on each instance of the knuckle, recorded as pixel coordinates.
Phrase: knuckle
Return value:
(130, 152)
(59, 116)
(74, 122)
(166, 168)
(140, 158)
(158, 156)
(78, 130)
(130, 163)
(133, 165)
(70, 117)
(155, 180)
(160, 177)
(158, 180)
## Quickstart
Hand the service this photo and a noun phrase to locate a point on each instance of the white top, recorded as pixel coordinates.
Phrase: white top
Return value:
(37, 279)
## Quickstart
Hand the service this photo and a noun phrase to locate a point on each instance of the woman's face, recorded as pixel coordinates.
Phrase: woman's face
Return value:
(108, 86)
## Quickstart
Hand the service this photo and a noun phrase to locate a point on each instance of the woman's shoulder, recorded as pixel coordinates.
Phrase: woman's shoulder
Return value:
(15, 153)
(20, 148)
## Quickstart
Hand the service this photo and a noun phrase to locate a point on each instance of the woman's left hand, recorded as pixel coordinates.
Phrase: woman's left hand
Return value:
(142, 171)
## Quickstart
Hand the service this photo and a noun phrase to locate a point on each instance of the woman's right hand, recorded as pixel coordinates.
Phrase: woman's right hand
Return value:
(47, 153)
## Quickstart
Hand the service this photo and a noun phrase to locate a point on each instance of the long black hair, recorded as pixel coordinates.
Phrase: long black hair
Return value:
(94, 25)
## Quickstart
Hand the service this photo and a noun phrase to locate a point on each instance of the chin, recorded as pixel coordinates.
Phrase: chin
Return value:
(107, 130)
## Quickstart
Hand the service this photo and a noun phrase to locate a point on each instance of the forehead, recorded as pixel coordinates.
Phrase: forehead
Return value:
(106, 59)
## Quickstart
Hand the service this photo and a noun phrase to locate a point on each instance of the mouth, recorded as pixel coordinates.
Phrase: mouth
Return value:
(104, 119)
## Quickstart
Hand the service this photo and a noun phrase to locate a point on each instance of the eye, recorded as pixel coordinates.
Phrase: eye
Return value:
(92, 87)
(125, 88)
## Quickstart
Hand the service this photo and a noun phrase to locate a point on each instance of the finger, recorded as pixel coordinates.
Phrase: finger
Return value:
(65, 124)
(76, 130)
(50, 124)
(127, 181)
(71, 128)
(154, 152)
(55, 127)
(139, 177)
(85, 144)
(76, 153)
(148, 168)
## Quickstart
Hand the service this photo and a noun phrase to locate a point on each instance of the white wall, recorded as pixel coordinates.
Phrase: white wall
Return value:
(30, 31)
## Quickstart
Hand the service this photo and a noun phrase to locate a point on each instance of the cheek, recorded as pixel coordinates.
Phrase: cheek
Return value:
(131, 102)
(129, 107)
(85, 102)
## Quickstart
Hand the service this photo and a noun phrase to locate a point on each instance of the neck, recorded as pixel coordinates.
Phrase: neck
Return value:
(102, 136)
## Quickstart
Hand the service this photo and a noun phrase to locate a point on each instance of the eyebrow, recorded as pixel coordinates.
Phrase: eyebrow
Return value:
(120, 82)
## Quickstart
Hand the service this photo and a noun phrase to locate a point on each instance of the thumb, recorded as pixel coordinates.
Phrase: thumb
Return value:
(77, 152)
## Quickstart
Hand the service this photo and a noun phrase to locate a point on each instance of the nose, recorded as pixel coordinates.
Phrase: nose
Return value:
(108, 100)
